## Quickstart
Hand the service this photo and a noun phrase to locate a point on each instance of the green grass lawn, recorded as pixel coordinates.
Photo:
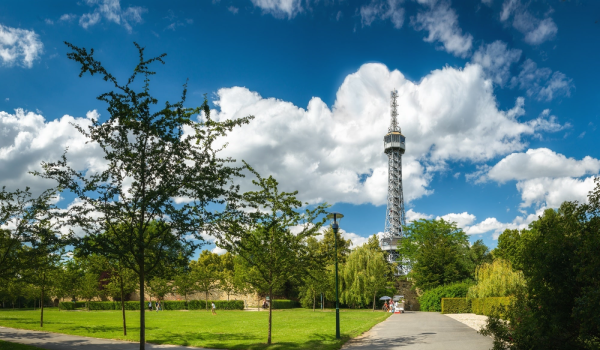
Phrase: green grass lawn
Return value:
(292, 329)
(4, 345)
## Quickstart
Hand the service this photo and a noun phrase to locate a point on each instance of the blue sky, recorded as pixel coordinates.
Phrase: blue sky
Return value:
(498, 98)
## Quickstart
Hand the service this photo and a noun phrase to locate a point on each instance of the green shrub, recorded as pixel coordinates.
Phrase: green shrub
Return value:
(431, 300)
(173, 305)
(220, 304)
(477, 306)
(105, 305)
(133, 305)
(285, 304)
(196, 305)
(455, 306)
(69, 305)
(487, 306)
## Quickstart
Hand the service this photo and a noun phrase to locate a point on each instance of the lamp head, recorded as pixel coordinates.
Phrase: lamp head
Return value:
(335, 219)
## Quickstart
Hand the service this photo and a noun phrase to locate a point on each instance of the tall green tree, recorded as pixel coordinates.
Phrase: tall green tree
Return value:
(363, 275)
(496, 279)
(159, 287)
(89, 287)
(185, 283)
(121, 282)
(271, 252)
(206, 272)
(436, 252)
(509, 248)
(25, 219)
(559, 305)
(227, 281)
(161, 166)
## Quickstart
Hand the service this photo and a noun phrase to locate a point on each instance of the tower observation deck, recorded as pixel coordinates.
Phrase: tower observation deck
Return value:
(394, 146)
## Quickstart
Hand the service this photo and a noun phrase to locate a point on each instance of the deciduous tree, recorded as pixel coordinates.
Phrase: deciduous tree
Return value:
(162, 171)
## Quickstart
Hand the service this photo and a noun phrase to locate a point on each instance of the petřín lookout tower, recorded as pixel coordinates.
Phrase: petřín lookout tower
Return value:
(393, 143)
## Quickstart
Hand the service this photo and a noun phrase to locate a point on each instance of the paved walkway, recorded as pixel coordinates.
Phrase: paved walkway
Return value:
(420, 331)
(56, 341)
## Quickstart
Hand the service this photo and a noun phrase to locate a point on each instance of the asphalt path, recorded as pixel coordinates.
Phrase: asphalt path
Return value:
(56, 341)
(420, 331)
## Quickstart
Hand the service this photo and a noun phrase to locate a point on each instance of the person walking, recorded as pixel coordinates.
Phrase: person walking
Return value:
(157, 305)
(150, 306)
(214, 308)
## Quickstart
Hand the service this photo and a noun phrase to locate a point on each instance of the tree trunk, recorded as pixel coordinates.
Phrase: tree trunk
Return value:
(314, 302)
(206, 299)
(42, 309)
(123, 308)
(270, 313)
(374, 301)
(142, 310)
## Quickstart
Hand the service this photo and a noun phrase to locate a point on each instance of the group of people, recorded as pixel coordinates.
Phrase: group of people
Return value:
(393, 306)
(158, 306)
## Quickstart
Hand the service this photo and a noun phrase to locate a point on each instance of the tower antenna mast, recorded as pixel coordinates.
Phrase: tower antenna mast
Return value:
(394, 147)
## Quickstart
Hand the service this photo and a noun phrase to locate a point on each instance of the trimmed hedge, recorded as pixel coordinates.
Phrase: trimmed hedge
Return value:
(220, 304)
(166, 305)
(285, 304)
(69, 305)
(172, 305)
(455, 306)
(431, 300)
(487, 306)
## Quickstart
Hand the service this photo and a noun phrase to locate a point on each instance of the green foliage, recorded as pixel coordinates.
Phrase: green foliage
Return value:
(69, 305)
(436, 252)
(559, 305)
(455, 306)
(173, 305)
(496, 279)
(206, 272)
(363, 275)
(159, 287)
(509, 248)
(491, 306)
(431, 300)
(480, 253)
(155, 155)
(104, 305)
(285, 304)
(220, 304)
(271, 254)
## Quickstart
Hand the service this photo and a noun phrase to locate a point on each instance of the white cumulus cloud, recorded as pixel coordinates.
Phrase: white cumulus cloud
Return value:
(496, 59)
(536, 31)
(27, 139)
(441, 23)
(539, 163)
(111, 11)
(542, 83)
(336, 155)
(382, 10)
(280, 8)
(552, 192)
(462, 220)
(19, 46)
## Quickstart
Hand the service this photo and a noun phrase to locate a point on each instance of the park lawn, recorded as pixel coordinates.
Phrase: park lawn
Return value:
(4, 345)
(292, 329)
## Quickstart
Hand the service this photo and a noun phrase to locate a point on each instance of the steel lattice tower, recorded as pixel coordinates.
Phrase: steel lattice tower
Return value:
(394, 145)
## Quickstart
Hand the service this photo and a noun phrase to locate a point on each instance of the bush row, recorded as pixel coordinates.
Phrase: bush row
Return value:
(482, 306)
(166, 305)
(455, 306)
(431, 300)
(486, 306)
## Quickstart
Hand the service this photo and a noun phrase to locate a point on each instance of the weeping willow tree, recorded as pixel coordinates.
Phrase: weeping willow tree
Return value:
(496, 279)
(363, 276)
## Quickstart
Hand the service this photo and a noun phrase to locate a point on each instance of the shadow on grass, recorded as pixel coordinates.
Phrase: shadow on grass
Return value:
(243, 341)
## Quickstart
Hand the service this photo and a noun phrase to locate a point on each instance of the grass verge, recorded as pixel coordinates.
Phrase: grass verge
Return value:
(4, 345)
(292, 329)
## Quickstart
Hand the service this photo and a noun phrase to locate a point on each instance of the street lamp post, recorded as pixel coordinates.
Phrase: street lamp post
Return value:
(335, 219)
